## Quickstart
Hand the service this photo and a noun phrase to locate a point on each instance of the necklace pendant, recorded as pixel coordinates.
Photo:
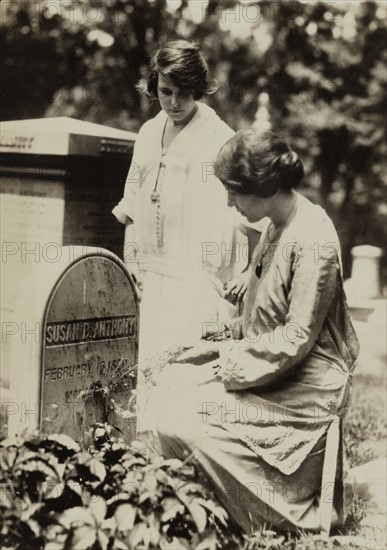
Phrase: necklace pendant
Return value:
(258, 270)
(155, 196)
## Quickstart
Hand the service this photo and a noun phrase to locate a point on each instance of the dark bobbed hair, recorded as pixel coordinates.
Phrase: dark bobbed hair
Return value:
(258, 163)
(182, 62)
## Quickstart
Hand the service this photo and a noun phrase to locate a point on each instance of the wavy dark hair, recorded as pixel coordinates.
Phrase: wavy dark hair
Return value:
(183, 63)
(258, 163)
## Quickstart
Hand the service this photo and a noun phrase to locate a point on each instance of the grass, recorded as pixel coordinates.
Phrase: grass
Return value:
(365, 423)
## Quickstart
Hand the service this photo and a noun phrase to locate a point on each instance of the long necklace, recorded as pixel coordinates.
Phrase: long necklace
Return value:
(155, 195)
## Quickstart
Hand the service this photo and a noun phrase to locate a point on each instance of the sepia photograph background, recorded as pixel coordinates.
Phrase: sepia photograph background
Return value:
(313, 72)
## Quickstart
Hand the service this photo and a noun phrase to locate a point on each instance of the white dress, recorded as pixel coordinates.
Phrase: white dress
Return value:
(187, 239)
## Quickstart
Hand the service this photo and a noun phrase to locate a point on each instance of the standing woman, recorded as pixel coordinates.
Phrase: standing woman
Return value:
(180, 237)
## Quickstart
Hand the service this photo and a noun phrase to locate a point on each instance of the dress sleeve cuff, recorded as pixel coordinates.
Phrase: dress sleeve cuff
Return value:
(123, 210)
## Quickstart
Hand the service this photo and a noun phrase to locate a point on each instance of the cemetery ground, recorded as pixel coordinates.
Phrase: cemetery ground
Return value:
(24, 522)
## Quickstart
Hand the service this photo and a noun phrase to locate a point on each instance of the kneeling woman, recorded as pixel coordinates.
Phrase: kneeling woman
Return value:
(258, 410)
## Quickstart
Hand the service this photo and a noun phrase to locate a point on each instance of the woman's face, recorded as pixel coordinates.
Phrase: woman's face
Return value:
(253, 208)
(177, 104)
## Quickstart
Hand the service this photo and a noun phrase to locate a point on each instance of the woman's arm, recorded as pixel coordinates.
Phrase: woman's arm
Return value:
(258, 360)
(131, 254)
(125, 208)
(124, 211)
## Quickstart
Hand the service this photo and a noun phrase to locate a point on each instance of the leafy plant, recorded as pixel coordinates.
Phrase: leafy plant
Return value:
(57, 496)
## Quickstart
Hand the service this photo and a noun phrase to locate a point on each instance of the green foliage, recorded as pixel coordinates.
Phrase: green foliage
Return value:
(321, 64)
(77, 59)
(57, 496)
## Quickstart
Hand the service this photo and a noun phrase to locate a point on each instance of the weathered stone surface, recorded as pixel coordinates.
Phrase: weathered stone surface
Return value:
(90, 348)
(60, 178)
(78, 366)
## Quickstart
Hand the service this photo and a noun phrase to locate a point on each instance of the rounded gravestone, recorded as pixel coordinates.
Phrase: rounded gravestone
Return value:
(89, 354)
(84, 368)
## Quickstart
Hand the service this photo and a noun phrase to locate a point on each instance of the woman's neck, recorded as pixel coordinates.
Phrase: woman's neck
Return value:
(283, 204)
(171, 130)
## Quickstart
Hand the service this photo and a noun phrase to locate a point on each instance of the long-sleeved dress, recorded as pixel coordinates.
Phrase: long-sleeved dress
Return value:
(186, 239)
(259, 425)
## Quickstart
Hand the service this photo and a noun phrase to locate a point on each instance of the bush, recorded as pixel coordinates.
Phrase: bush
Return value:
(57, 496)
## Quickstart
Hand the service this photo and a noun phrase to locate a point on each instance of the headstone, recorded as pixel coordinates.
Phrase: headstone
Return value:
(82, 368)
(368, 309)
(371, 333)
(365, 281)
(60, 178)
(262, 116)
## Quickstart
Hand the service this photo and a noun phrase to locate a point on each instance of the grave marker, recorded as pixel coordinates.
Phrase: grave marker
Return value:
(86, 363)
(60, 178)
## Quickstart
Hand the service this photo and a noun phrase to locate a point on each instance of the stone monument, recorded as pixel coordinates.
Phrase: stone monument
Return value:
(368, 309)
(60, 178)
(80, 366)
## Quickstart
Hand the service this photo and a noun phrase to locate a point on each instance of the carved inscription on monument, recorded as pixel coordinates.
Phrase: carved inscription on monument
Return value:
(89, 370)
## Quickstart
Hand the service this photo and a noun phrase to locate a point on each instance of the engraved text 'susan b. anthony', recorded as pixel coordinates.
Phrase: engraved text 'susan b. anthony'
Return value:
(75, 332)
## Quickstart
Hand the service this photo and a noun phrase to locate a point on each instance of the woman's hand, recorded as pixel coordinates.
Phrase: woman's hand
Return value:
(236, 288)
(131, 250)
(201, 353)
